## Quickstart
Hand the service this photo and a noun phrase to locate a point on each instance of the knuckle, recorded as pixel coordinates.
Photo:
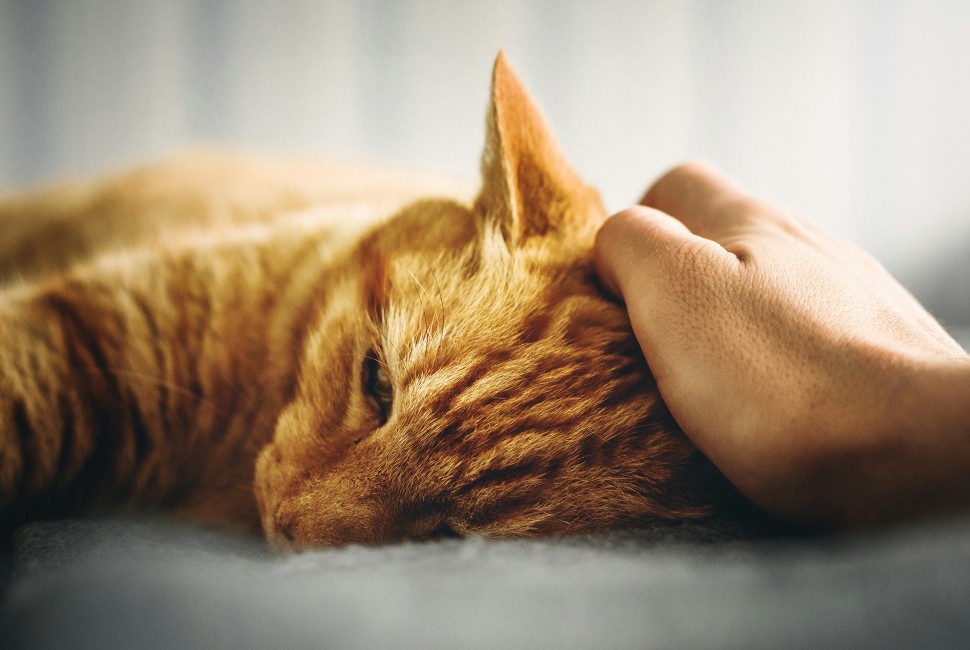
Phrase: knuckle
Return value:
(627, 219)
(676, 179)
(617, 229)
(692, 168)
(691, 264)
(752, 216)
(634, 224)
(702, 274)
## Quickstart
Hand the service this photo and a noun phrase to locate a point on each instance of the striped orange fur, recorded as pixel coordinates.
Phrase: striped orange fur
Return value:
(328, 354)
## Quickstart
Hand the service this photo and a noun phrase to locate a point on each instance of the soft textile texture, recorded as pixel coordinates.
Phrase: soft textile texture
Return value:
(137, 584)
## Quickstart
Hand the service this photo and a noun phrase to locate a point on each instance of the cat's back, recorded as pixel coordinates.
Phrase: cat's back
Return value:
(164, 204)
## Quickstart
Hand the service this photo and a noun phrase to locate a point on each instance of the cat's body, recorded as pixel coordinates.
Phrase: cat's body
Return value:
(173, 298)
(255, 342)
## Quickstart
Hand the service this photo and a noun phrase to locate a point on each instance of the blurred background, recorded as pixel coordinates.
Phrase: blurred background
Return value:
(856, 113)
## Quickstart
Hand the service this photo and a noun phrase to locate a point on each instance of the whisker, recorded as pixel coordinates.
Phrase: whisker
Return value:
(437, 314)
(385, 340)
(170, 385)
(424, 292)
(441, 299)
(242, 487)
(367, 356)
(261, 415)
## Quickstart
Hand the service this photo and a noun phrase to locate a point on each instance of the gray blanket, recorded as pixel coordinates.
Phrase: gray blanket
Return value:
(134, 584)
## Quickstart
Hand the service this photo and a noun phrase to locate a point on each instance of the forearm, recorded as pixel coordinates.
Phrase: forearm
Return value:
(914, 459)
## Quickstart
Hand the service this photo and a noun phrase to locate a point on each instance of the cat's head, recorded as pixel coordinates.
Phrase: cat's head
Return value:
(469, 375)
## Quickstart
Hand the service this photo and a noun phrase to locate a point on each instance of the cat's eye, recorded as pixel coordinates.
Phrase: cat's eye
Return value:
(377, 386)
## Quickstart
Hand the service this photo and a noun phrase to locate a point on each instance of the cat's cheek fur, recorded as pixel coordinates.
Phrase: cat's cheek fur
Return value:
(324, 511)
(306, 456)
(321, 426)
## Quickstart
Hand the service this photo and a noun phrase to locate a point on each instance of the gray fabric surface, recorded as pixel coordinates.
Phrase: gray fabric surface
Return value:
(98, 584)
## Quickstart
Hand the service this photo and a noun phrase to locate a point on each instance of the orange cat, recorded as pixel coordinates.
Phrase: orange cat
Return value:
(260, 343)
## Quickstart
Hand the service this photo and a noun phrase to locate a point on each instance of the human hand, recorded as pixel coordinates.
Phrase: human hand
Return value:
(793, 360)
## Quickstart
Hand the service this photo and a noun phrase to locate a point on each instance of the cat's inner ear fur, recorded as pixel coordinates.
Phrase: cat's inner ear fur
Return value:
(529, 189)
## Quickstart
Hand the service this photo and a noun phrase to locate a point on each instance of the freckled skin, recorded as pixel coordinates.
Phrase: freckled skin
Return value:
(203, 343)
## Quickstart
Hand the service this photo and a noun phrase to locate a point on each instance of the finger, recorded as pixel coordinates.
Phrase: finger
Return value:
(639, 246)
(706, 200)
(664, 274)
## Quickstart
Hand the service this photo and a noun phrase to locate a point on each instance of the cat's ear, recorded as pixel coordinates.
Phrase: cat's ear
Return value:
(529, 189)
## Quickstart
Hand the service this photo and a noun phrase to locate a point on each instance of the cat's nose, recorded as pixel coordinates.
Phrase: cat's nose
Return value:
(284, 533)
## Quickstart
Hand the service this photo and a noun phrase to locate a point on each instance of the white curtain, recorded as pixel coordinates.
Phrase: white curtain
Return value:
(856, 113)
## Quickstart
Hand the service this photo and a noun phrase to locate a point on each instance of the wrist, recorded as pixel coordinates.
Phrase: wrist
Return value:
(942, 399)
(920, 454)
(900, 451)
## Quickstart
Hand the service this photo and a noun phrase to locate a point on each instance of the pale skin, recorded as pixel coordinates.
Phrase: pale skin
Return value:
(820, 387)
